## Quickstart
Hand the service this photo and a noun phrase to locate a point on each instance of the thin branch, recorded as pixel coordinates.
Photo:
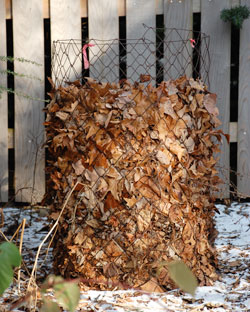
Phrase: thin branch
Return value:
(46, 237)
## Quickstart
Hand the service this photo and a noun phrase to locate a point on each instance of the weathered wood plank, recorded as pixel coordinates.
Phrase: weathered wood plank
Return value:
(11, 139)
(46, 13)
(177, 50)
(65, 24)
(29, 130)
(243, 182)
(103, 28)
(84, 8)
(8, 9)
(233, 131)
(196, 6)
(141, 54)
(159, 6)
(121, 7)
(219, 75)
(235, 2)
(4, 177)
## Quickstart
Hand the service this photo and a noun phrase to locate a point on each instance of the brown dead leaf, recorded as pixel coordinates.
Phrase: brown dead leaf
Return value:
(78, 167)
(63, 116)
(145, 78)
(71, 108)
(143, 158)
(152, 286)
(164, 156)
(110, 270)
(196, 84)
(93, 128)
(131, 201)
(210, 104)
(113, 249)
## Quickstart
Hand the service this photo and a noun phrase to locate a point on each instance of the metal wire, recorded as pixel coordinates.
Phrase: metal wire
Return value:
(162, 53)
(141, 230)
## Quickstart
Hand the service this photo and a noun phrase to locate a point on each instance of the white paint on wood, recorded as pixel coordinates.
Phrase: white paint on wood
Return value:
(196, 6)
(104, 34)
(141, 50)
(65, 24)
(243, 181)
(219, 75)
(159, 6)
(121, 7)
(233, 129)
(177, 48)
(29, 130)
(3, 110)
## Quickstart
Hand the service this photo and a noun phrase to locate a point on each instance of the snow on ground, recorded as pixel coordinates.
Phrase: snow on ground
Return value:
(230, 293)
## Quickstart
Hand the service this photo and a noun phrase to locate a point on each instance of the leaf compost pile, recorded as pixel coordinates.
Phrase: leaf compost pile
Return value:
(144, 159)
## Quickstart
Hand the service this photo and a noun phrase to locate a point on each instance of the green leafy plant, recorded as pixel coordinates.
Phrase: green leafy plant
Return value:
(9, 259)
(235, 15)
(181, 275)
(66, 293)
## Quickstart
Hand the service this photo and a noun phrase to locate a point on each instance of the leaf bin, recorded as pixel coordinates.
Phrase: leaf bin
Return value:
(144, 160)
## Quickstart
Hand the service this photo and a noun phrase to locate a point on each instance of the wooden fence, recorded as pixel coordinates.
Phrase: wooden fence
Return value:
(103, 16)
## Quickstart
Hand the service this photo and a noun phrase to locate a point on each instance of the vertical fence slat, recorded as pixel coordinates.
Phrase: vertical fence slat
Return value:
(103, 26)
(177, 54)
(29, 130)
(65, 23)
(8, 9)
(141, 56)
(3, 111)
(243, 183)
(219, 75)
(65, 20)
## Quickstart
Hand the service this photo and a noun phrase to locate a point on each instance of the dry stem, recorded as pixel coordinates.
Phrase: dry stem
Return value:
(20, 250)
(46, 237)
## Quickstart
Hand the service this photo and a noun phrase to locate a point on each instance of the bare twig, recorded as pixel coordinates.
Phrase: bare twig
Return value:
(16, 232)
(49, 245)
(2, 218)
(46, 237)
(1, 232)
(20, 250)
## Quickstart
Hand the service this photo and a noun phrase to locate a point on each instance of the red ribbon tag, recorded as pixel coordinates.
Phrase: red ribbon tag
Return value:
(85, 58)
(192, 42)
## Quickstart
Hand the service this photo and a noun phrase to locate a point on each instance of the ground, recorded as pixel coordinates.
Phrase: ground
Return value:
(230, 293)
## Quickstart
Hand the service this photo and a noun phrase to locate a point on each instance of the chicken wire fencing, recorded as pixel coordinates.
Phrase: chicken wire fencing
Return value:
(161, 54)
(135, 152)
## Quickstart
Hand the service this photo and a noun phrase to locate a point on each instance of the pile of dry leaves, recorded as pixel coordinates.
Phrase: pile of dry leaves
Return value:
(144, 158)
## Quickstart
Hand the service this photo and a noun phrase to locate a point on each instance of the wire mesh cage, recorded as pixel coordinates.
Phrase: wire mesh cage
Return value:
(160, 54)
(134, 148)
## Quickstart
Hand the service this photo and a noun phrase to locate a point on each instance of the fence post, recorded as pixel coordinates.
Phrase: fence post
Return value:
(140, 12)
(219, 75)
(4, 178)
(104, 25)
(29, 130)
(177, 15)
(243, 182)
(65, 23)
